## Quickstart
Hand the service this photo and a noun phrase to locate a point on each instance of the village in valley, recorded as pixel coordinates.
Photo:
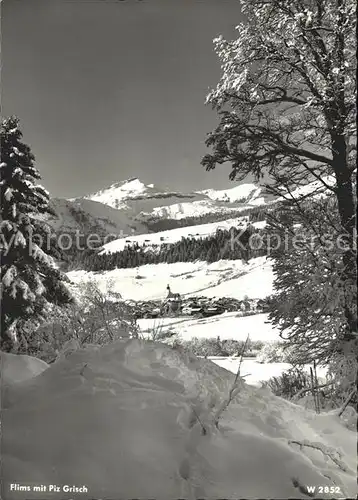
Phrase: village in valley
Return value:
(202, 307)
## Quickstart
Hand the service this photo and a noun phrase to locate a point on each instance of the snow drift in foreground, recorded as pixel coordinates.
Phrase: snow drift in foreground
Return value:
(126, 421)
(17, 368)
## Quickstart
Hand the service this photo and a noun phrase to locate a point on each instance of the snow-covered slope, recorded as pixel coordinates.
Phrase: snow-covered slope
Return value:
(126, 421)
(174, 235)
(189, 209)
(256, 373)
(316, 189)
(88, 216)
(229, 278)
(244, 193)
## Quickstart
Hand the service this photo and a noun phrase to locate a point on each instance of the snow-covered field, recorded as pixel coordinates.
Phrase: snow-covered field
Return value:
(226, 326)
(219, 279)
(255, 372)
(316, 188)
(225, 278)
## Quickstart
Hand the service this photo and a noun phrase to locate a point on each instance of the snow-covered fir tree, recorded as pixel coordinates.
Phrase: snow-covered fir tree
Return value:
(30, 281)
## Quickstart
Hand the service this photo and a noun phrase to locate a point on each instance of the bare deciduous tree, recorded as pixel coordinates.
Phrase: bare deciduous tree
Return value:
(286, 101)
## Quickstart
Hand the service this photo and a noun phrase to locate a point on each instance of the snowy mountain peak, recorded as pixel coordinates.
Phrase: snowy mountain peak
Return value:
(117, 194)
(132, 180)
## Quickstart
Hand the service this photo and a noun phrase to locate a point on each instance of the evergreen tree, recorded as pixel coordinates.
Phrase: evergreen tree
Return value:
(213, 252)
(30, 281)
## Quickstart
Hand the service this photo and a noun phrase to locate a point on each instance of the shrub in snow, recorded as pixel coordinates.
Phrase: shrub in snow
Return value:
(102, 316)
(204, 347)
(160, 334)
(217, 347)
(98, 318)
(275, 352)
(342, 372)
(289, 383)
(30, 282)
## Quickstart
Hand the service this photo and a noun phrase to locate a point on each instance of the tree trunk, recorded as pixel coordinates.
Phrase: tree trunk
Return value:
(346, 208)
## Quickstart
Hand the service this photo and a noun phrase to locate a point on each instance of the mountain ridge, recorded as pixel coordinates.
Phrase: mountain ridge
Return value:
(131, 207)
(148, 201)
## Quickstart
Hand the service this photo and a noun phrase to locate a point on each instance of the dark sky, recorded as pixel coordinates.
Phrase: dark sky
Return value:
(108, 89)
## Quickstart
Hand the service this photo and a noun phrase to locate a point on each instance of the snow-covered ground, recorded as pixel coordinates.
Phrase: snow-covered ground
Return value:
(220, 279)
(225, 278)
(226, 326)
(126, 421)
(255, 372)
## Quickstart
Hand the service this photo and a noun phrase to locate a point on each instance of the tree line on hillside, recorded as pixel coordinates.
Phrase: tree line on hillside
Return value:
(255, 214)
(81, 256)
(229, 244)
(224, 244)
(232, 244)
